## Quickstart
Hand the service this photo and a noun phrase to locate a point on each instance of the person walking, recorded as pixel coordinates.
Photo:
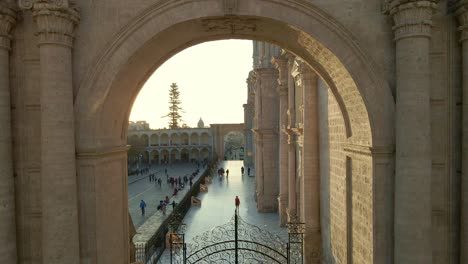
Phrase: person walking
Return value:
(227, 173)
(242, 170)
(237, 202)
(142, 207)
(248, 171)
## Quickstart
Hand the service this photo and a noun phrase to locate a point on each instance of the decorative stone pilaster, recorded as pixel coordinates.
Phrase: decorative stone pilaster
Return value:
(311, 173)
(281, 64)
(266, 138)
(7, 184)
(462, 15)
(55, 29)
(413, 125)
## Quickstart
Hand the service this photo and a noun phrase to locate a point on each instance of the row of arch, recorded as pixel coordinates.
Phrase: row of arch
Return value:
(170, 139)
(158, 156)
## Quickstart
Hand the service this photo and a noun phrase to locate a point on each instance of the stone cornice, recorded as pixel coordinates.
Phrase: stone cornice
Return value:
(56, 24)
(461, 12)
(413, 18)
(7, 22)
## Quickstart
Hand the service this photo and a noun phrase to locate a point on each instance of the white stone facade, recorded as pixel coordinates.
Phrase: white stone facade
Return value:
(392, 133)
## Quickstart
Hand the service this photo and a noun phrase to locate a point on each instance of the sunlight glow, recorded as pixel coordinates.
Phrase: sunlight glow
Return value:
(212, 82)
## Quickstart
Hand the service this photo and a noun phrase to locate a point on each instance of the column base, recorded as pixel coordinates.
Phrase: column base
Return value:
(313, 247)
(282, 205)
(267, 203)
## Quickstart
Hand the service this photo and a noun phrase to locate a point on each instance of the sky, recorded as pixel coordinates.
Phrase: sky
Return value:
(212, 82)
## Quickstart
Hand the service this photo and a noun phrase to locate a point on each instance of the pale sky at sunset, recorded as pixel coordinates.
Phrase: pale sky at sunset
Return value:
(212, 82)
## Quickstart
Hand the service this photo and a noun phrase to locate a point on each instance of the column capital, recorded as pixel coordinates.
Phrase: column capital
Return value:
(7, 22)
(29, 4)
(56, 23)
(461, 11)
(281, 64)
(413, 18)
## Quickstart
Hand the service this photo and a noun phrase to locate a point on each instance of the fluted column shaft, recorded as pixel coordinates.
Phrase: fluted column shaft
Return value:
(7, 184)
(281, 64)
(462, 14)
(413, 125)
(292, 195)
(311, 186)
(59, 190)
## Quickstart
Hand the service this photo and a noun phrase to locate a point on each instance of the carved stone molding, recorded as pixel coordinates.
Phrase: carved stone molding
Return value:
(281, 64)
(56, 24)
(413, 18)
(462, 14)
(7, 22)
(232, 24)
(28, 4)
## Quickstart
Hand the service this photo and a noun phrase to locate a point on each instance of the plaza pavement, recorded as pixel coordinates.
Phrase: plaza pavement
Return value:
(218, 206)
(140, 188)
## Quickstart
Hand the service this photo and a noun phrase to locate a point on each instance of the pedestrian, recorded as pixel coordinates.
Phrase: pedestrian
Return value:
(159, 182)
(142, 207)
(227, 173)
(242, 170)
(191, 183)
(237, 202)
(248, 171)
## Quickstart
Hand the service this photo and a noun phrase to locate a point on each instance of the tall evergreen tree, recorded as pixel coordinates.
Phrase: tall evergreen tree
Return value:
(174, 107)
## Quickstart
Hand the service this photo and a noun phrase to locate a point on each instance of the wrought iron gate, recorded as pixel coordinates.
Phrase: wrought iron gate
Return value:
(236, 242)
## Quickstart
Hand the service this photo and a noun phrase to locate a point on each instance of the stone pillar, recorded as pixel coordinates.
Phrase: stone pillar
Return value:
(462, 13)
(292, 198)
(311, 186)
(413, 125)
(7, 184)
(266, 131)
(282, 89)
(59, 189)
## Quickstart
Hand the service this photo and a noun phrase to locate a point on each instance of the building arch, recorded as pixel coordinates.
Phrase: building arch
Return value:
(365, 100)
(164, 139)
(154, 140)
(194, 139)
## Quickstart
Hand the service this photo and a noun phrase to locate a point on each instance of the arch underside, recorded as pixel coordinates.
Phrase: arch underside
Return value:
(105, 97)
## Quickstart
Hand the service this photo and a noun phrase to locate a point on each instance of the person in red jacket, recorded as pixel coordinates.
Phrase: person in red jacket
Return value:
(237, 201)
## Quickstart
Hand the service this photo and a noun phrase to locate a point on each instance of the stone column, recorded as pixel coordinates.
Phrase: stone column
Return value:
(462, 13)
(7, 184)
(282, 89)
(311, 186)
(413, 125)
(266, 131)
(292, 198)
(60, 240)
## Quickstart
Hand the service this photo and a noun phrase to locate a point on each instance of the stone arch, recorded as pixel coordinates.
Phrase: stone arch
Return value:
(365, 100)
(144, 140)
(184, 155)
(154, 156)
(175, 139)
(204, 139)
(164, 156)
(184, 138)
(174, 155)
(154, 139)
(195, 154)
(164, 139)
(194, 138)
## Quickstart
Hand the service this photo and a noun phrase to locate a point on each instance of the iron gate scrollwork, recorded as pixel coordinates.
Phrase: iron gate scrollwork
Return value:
(237, 242)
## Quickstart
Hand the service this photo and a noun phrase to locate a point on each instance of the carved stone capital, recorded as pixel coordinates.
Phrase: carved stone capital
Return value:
(28, 4)
(413, 18)
(281, 64)
(56, 24)
(462, 14)
(7, 22)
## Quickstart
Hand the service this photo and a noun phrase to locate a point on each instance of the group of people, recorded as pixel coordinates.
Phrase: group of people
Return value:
(178, 183)
(243, 170)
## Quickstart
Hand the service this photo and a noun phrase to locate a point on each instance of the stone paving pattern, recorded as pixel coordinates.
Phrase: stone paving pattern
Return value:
(141, 188)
